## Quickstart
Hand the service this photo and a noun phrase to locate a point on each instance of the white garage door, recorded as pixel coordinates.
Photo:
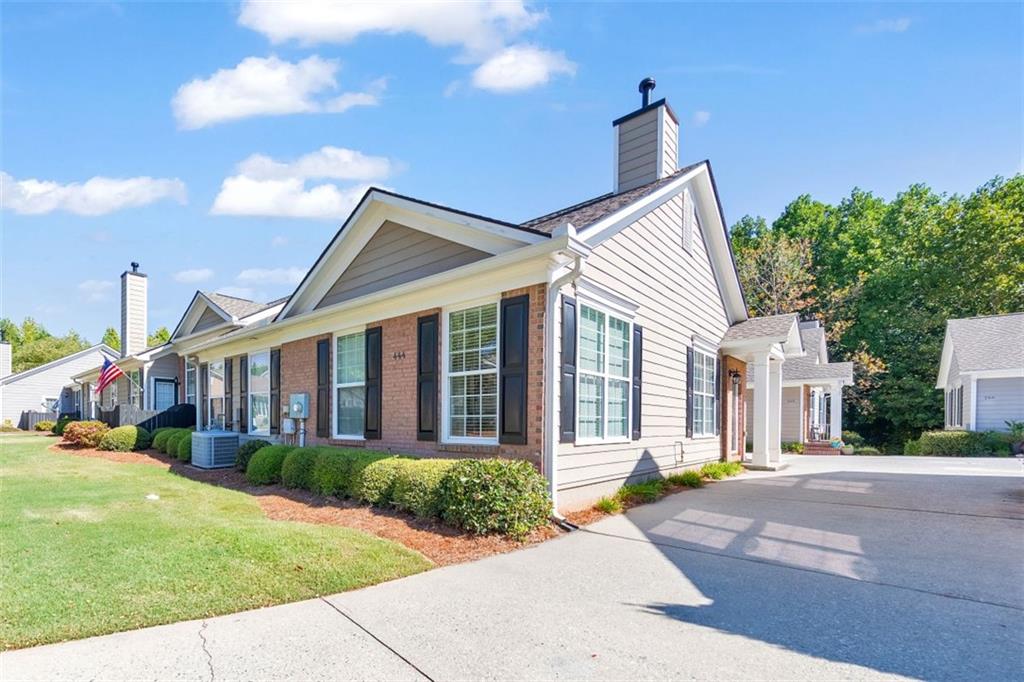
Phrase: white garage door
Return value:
(999, 401)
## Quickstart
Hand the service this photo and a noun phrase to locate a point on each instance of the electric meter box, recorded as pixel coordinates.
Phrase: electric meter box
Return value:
(298, 406)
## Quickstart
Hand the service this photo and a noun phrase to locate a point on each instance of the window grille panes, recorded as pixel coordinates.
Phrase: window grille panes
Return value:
(604, 376)
(350, 385)
(473, 372)
(259, 393)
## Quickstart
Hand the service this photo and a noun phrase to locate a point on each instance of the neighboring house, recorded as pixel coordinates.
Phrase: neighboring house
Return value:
(593, 341)
(42, 388)
(982, 372)
(812, 393)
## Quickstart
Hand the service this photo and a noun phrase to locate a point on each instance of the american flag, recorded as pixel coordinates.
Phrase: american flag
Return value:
(108, 375)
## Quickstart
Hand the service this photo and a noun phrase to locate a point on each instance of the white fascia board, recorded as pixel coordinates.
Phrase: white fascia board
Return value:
(514, 235)
(512, 270)
(947, 358)
(1009, 373)
(193, 313)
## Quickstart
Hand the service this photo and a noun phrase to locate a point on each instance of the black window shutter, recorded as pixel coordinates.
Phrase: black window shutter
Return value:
(243, 394)
(567, 404)
(718, 396)
(638, 379)
(426, 377)
(204, 373)
(513, 372)
(275, 390)
(689, 392)
(323, 390)
(229, 402)
(372, 428)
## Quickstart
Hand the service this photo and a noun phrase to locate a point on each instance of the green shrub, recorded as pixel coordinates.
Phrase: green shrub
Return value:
(794, 447)
(297, 469)
(337, 470)
(125, 439)
(912, 447)
(961, 444)
(853, 438)
(417, 487)
(171, 444)
(376, 484)
(265, 466)
(62, 422)
(245, 452)
(645, 491)
(608, 505)
(45, 425)
(866, 450)
(184, 449)
(160, 437)
(87, 434)
(484, 495)
(719, 470)
(689, 479)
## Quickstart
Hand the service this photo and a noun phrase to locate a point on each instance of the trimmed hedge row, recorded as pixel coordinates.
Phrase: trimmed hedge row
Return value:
(481, 496)
(960, 444)
(126, 439)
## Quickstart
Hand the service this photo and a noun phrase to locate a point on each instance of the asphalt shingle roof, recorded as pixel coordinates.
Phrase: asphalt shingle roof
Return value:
(794, 369)
(995, 342)
(239, 307)
(772, 326)
(592, 210)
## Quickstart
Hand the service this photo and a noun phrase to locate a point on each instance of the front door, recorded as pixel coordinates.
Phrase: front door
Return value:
(165, 394)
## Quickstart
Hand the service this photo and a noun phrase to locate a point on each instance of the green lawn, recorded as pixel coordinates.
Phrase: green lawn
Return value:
(84, 552)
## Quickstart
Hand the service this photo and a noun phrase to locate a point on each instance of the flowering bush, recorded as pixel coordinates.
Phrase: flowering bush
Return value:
(87, 434)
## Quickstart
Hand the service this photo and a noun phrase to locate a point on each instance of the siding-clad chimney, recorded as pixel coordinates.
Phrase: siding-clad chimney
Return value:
(5, 358)
(134, 286)
(646, 142)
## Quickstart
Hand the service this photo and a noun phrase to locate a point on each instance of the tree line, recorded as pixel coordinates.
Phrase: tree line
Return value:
(32, 345)
(883, 277)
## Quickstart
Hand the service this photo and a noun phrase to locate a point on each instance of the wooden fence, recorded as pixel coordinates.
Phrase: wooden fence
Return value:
(179, 416)
(29, 420)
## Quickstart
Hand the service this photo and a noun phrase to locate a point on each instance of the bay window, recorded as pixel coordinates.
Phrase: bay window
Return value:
(603, 391)
(471, 364)
(350, 385)
(259, 393)
(704, 382)
(215, 396)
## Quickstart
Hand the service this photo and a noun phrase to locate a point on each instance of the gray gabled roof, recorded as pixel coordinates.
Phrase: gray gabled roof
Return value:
(236, 307)
(794, 370)
(101, 347)
(592, 210)
(986, 343)
(769, 327)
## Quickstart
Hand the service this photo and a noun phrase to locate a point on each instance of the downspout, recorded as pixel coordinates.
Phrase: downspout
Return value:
(550, 354)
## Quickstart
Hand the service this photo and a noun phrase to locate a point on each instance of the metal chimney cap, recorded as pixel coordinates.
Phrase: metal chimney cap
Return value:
(135, 266)
(646, 85)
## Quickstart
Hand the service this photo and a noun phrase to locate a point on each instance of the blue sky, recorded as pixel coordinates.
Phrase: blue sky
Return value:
(221, 145)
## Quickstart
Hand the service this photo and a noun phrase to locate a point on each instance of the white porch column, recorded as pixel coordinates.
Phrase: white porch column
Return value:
(774, 412)
(758, 368)
(835, 417)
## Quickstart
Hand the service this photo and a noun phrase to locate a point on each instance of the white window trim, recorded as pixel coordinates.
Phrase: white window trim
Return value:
(249, 392)
(708, 352)
(619, 312)
(446, 436)
(195, 383)
(335, 386)
(210, 397)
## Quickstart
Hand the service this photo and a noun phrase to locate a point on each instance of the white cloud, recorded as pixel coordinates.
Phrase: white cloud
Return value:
(521, 67)
(271, 275)
(193, 276)
(337, 163)
(279, 241)
(479, 28)
(701, 118)
(238, 292)
(897, 25)
(263, 186)
(95, 196)
(266, 87)
(94, 290)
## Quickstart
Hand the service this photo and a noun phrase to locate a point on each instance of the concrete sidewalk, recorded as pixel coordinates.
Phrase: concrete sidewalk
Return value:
(814, 573)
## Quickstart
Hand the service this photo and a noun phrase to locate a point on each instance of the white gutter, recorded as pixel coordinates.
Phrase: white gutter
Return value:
(551, 364)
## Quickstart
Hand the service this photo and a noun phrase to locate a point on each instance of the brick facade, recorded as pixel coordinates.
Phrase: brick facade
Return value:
(730, 453)
(398, 387)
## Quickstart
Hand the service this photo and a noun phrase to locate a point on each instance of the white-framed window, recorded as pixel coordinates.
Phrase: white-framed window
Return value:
(190, 383)
(215, 395)
(603, 377)
(350, 385)
(470, 389)
(134, 384)
(954, 407)
(705, 379)
(50, 404)
(259, 393)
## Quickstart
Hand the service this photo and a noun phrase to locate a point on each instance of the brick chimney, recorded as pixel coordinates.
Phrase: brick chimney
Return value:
(134, 288)
(646, 142)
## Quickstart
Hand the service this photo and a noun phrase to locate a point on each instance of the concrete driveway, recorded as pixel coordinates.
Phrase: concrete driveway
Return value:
(834, 568)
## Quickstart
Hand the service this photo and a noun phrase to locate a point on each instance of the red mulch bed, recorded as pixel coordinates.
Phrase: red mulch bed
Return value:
(440, 543)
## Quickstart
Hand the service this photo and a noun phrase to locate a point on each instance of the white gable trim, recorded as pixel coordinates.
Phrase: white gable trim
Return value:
(100, 347)
(947, 360)
(194, 311)
(377, 208)
(713, 230)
